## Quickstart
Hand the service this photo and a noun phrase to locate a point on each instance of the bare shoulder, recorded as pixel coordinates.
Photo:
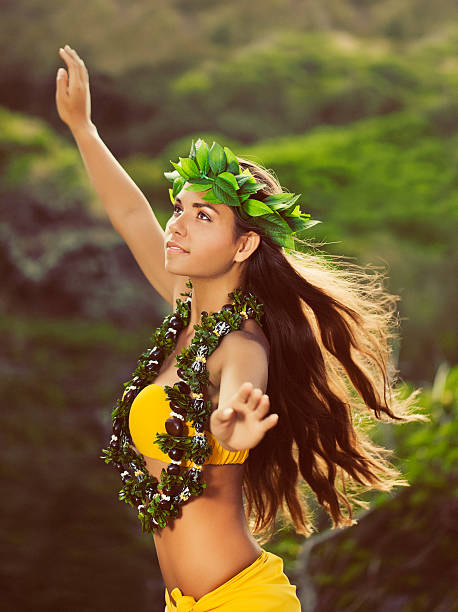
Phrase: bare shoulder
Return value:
(250, 331)
(242, 346)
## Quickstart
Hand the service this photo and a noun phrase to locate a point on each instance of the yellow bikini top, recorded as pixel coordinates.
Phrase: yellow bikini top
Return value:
(148, 413)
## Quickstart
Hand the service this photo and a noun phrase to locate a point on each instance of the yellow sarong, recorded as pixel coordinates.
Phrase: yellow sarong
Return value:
(260, 587)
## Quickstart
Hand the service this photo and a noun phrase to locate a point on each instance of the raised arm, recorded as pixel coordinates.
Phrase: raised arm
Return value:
(127, 208)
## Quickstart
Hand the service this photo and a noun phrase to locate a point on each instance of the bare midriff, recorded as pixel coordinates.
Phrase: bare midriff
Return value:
(210, 542)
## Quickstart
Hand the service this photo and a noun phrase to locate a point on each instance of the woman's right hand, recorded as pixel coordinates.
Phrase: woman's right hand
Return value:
(73, 97)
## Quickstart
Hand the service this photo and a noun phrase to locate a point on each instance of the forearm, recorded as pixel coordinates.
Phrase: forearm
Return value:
(116, 190)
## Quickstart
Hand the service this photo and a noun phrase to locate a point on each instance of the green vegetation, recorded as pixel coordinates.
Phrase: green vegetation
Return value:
(401, 554)
(67, 542)
(353, 105)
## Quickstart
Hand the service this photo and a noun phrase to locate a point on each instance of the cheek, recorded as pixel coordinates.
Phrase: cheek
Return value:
(213, 247)
(209, 243)
(219, 241)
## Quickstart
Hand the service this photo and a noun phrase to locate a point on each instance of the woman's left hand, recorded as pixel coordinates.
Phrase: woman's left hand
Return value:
(241, 424)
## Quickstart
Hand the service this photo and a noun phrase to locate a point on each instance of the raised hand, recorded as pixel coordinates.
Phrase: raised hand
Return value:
(73, 97)
(243, 423)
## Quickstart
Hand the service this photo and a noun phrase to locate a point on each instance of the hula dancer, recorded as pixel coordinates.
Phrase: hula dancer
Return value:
(248, 390)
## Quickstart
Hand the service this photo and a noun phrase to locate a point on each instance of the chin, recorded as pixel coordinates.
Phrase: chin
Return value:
(175, 268)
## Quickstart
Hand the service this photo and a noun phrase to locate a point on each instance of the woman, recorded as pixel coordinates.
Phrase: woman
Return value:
(308, 329)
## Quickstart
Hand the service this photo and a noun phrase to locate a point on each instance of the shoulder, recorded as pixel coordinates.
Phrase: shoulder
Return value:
(250, 336)
(244, 354)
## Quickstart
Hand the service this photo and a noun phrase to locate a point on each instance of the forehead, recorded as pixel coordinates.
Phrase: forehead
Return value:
(195, 199)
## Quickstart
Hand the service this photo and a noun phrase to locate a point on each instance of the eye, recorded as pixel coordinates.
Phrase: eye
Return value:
(175, 206)
(206, 216)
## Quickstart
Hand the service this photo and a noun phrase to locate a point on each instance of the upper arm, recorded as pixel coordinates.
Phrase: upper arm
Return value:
(244, 359)
(145, 238)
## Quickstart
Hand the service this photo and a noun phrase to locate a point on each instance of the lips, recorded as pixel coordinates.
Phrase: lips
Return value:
(175, 246)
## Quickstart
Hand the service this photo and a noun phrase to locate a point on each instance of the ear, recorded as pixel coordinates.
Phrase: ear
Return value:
(248, 243)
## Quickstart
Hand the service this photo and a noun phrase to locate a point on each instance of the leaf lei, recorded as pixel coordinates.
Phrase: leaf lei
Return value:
(218, 171)
(158, 501)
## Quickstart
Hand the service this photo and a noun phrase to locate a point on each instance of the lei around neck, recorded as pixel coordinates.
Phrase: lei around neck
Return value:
(158, 501)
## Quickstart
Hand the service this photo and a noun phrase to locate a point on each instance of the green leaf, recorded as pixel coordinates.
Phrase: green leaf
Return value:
(202, 156)
(178, 184)
(189, 166)
(297, 223)
(211, 198)
(294, 211)
(273, 223)
(232, 163)
(282, 203)
(280, 235)
(179, 169)
(199, 186)
(241, 179)
(279, 197)
(255, 207)
(217, 158)
(287, 242)
(224, 190)
(227, 176)
(251, 186)
(192, 151)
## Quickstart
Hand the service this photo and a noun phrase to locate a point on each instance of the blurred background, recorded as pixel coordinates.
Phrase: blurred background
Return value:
(354, 105)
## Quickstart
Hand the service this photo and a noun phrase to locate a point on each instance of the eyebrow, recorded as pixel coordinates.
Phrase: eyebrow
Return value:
(200, 205)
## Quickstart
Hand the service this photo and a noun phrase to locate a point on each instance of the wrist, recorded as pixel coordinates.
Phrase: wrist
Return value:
(82, 129)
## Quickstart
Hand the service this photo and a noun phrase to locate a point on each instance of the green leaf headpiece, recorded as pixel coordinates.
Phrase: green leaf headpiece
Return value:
(218, 171)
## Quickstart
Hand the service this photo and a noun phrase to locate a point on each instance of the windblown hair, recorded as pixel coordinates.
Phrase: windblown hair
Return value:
(329, 323)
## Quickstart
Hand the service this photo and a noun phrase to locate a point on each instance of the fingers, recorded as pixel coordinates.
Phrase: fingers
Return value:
(270, 421)
(245, 391)
(72, 69)
(253, 396)
(76, 67)
(78, 60)
(62, 82)
(223, 414)
(253, 400)
(258, 403)
(258, 400)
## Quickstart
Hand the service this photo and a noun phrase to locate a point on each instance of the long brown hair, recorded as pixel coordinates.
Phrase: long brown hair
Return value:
(329, 322)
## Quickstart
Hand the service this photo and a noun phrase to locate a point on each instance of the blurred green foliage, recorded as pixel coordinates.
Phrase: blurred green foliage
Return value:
(67, 542)
(428, 453)
(401, 554)
(262, 70)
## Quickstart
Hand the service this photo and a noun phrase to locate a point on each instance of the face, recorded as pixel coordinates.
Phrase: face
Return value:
(206, 232)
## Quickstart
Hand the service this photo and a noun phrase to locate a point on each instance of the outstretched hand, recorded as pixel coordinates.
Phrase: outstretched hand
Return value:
(73, 97)
(241, 424)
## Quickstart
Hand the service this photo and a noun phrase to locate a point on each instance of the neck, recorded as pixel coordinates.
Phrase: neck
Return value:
(209, 295)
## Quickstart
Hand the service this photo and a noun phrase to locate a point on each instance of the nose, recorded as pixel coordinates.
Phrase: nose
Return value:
(177, 225)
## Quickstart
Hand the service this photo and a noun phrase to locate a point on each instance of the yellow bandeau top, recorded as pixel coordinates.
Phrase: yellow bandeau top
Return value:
(148, 413)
